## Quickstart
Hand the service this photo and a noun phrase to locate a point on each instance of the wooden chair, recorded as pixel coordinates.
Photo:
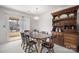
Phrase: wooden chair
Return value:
(44, 32)
(35, 30)
(49, 45)
(23, 40)
(30, 44)
(27, 43)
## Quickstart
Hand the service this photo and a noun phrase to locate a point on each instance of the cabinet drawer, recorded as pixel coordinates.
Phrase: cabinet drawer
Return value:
(70, 45)
(70, 35)
(67, 40)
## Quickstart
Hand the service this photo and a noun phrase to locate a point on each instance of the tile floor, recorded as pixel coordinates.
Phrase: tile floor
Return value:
(15, 47)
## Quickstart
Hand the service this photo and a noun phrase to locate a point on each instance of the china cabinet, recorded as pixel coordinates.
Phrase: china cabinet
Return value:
(64, 24)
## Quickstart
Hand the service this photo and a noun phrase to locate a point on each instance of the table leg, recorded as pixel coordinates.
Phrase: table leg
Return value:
(39, 45)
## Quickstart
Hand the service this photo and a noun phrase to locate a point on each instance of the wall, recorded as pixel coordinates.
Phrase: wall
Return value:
(4, 24)
(33, 23)
(45, 22)
(24, 23)
(3, 27)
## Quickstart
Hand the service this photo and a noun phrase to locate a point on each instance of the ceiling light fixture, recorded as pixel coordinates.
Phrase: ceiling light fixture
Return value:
(36, 17)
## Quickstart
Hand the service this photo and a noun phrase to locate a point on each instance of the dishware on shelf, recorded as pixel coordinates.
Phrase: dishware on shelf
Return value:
(63, 16)
(56, 18)
(71, 15)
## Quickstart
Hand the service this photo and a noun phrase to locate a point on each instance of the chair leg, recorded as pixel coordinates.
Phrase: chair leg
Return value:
(23, 46)
(49, 50)
(29, 49)
(41, 49)
(26, 48)
(52, 50)
(36, 48)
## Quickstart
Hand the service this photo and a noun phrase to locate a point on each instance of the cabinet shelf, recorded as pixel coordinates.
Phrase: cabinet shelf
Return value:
(68, 26)
(65, 19)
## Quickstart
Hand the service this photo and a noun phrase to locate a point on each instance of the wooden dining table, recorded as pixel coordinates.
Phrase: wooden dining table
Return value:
(40, 37)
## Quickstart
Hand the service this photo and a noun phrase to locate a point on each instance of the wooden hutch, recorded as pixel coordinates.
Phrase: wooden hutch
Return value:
(65, 27)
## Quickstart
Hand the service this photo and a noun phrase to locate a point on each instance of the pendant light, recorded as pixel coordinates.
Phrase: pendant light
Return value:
(36, 17)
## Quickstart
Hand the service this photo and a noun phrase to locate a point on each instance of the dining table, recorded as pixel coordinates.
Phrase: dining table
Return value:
(40, 37)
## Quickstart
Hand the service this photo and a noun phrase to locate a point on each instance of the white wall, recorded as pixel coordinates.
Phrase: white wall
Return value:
(3, 27)
(4, 24)
(33, 23)
(45, 22)
(24, 23)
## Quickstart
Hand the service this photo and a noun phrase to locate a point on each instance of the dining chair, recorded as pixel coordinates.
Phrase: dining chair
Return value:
(23, 40)
(34, 33)
(27, 32)
(27, 43)
(30, 42)
(35, 30)
(44, 32)
(48, 45)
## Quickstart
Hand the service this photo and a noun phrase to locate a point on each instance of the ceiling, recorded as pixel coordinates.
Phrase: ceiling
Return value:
(31, 9)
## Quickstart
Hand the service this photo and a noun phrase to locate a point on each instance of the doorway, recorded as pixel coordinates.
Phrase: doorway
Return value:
(14, 30)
